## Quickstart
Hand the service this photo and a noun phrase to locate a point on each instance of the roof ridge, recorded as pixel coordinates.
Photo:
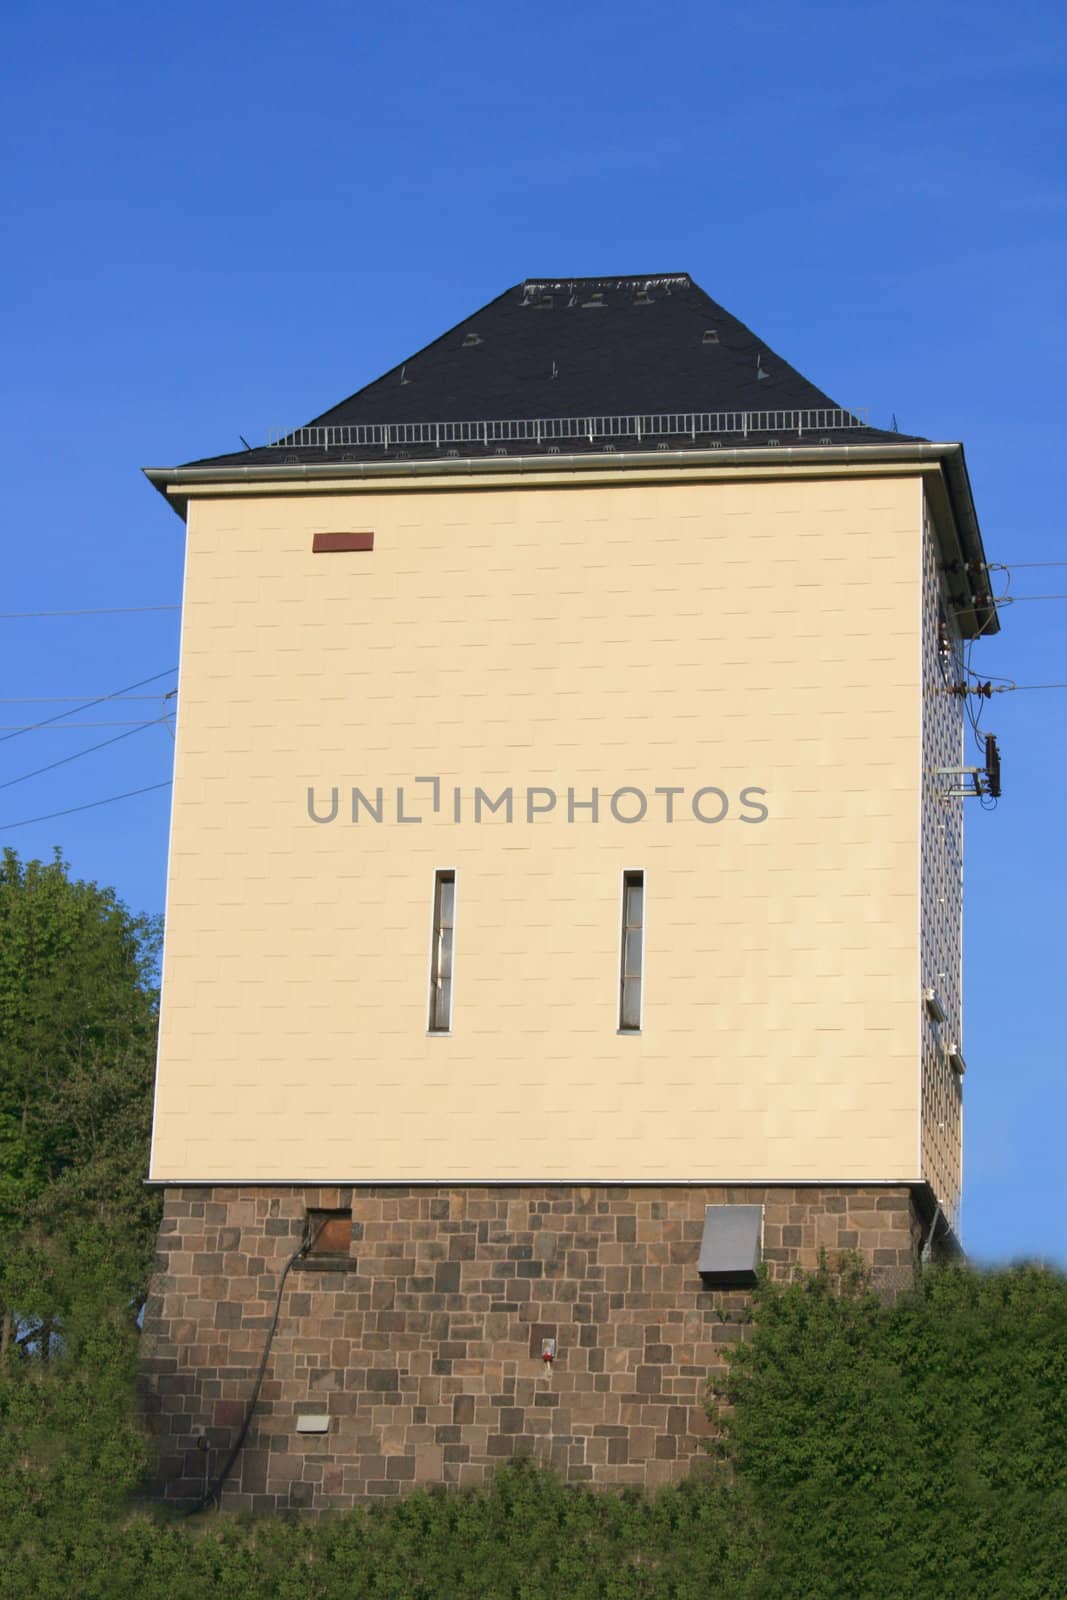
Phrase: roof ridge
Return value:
(613, 281)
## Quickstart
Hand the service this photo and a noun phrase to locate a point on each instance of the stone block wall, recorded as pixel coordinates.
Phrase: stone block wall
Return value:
(423, 1344)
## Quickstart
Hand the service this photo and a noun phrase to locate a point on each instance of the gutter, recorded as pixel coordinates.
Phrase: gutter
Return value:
(948, 456)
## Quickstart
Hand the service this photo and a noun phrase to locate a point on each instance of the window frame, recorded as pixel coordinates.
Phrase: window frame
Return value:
(319, 1219)
(434, 1025)
(631, 878)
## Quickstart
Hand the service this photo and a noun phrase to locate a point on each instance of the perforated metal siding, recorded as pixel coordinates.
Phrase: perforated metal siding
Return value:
(941, 950)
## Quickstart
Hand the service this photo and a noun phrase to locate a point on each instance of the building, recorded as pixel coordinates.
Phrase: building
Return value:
(564, 901)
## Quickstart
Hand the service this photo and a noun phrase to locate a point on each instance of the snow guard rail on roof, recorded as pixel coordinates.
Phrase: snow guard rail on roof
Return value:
(538, 430)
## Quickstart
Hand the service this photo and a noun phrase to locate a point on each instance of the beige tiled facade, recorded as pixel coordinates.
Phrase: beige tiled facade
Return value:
(676, 630)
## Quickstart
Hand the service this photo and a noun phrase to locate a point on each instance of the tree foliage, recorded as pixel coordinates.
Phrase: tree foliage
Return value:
(526, 1537)
(916, 1449)
(875, 1452)
(78, 1013)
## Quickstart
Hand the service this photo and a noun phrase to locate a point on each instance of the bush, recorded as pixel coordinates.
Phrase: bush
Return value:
(915, 1450)
(526, 1537)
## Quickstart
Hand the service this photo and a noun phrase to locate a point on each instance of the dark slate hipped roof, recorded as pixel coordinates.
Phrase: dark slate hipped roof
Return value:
(570, 348)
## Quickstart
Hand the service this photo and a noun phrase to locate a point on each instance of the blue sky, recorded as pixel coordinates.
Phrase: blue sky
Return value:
(221, 219)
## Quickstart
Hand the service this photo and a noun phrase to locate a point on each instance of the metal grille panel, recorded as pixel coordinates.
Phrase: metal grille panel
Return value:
(942, 891)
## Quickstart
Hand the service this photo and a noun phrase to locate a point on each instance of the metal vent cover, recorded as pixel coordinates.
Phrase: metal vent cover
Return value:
(732, 1246)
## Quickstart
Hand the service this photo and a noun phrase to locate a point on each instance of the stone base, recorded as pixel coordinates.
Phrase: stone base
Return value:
(423, 1345)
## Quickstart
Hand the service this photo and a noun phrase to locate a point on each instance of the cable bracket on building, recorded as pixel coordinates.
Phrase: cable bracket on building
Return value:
(985, 780)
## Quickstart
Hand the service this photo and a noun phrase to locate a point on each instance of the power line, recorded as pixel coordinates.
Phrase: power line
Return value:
(90, 805)
(63, 699)
(63, 760)
(1012, 566)
(1014, 688)
(93, 611)
(999, 600)
(70, 727)
(59, 716)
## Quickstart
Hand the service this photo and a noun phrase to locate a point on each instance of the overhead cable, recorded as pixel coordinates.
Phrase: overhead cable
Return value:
(63, 760)
(60, 715)
(90, 805)
(72, 727)
(92, 611)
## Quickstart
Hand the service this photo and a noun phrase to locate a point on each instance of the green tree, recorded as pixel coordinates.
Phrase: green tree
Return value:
(916, 1449)
(78, 1016)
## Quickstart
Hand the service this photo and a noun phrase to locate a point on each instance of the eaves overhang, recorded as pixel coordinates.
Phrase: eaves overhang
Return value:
(942, 464)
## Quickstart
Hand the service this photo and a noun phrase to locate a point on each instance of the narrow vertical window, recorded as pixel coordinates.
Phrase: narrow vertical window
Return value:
(631, 962)
(444, 908)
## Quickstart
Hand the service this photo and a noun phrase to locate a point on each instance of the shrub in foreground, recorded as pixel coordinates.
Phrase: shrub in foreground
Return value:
(526, 1537)
(908, 1452)
(917, 1449)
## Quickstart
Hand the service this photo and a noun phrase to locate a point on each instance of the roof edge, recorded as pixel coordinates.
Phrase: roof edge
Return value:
(613, 280)
(948, 456)
(965, 516)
